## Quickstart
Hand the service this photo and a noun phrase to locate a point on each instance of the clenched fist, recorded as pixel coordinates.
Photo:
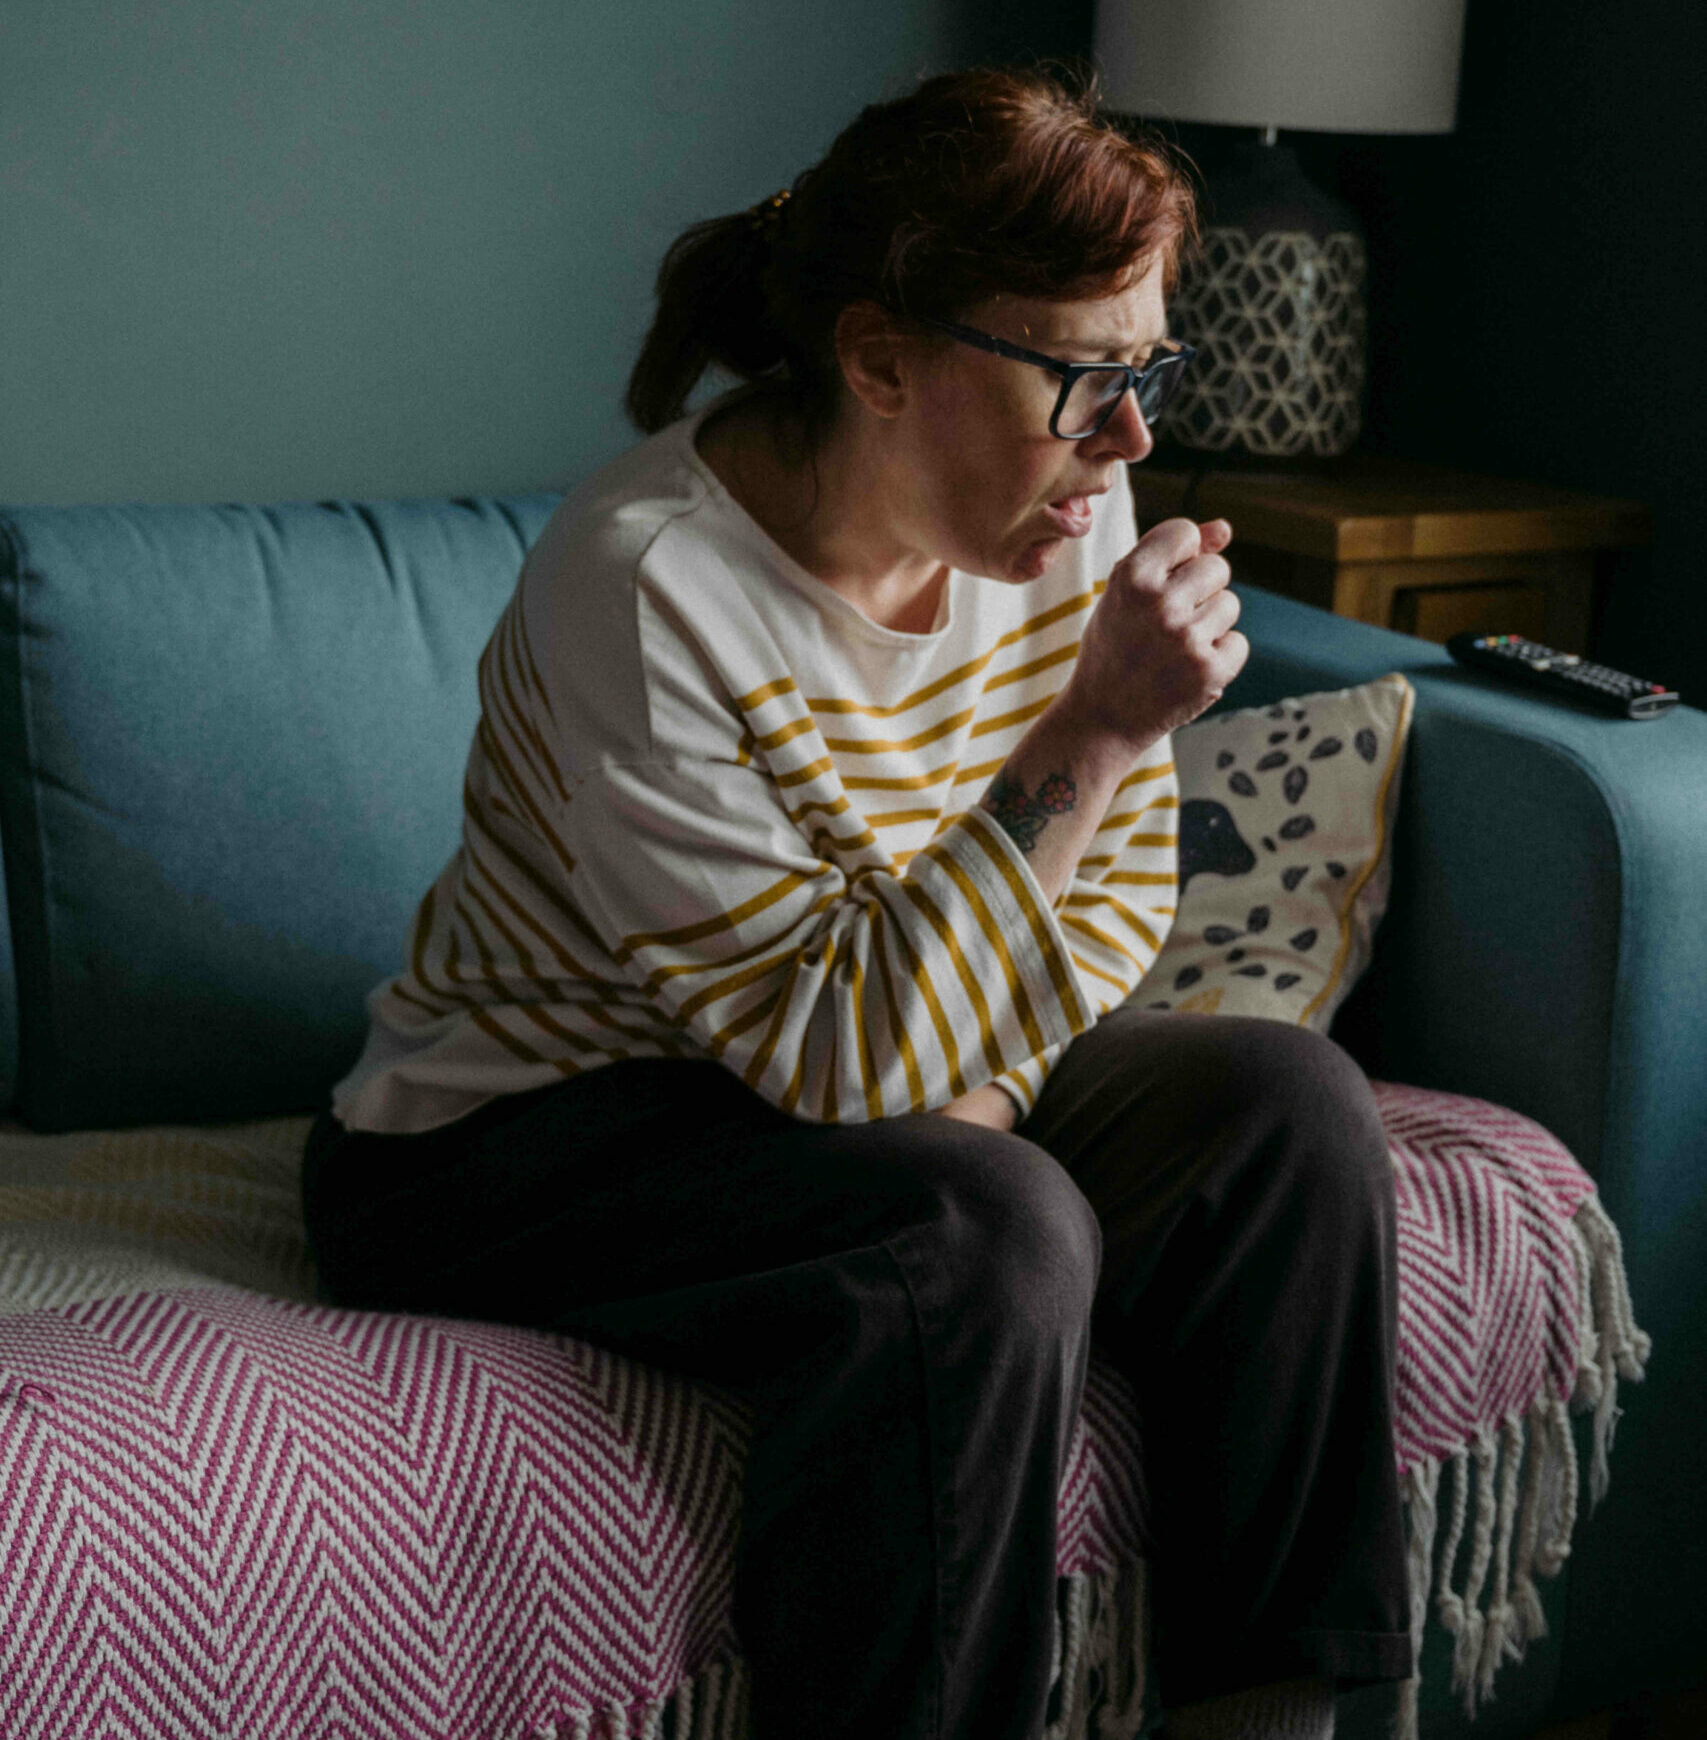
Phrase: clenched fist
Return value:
(1160, 646)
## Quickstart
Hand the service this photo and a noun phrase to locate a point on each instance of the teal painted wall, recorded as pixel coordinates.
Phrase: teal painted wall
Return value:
(315, 248)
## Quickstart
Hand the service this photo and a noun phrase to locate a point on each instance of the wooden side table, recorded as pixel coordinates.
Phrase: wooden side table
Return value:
(1414, 547)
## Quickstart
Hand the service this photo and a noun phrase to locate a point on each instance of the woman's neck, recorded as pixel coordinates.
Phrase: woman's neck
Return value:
(827, 511)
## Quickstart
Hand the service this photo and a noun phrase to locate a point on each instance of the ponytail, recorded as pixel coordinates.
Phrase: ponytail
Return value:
(711, 309)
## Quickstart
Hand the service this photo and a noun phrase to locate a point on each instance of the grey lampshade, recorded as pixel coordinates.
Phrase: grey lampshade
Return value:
(1316, 66)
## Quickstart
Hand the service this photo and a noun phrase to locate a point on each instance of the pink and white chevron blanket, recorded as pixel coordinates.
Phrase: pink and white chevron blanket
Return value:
(234, 1512)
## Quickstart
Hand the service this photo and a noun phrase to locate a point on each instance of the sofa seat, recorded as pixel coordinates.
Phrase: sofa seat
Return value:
(248, 1513)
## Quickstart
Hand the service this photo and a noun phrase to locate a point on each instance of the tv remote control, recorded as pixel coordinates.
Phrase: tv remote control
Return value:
(1540, 667)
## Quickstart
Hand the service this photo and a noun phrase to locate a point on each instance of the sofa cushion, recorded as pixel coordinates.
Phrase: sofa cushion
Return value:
(224, 737)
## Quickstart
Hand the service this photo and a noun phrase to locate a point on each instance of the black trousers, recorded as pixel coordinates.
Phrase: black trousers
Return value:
(909, 1306)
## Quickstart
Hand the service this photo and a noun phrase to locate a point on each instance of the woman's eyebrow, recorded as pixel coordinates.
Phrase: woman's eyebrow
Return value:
(1112, 346)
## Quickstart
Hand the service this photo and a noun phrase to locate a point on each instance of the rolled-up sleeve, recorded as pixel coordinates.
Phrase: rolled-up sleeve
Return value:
(838, 997)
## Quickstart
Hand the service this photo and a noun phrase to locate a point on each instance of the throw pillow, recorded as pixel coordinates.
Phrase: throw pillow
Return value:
(1286, 827)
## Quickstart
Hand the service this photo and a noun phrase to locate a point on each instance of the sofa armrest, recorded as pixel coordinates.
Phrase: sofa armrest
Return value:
(1546, 948)
(1546, 942)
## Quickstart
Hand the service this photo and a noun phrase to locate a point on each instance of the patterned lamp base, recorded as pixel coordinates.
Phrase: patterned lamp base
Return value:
(1278, 320)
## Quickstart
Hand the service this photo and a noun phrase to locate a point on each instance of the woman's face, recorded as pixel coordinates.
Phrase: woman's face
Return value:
(987, 488)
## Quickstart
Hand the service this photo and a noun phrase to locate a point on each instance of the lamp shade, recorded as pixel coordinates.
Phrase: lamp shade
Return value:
(1315, 66)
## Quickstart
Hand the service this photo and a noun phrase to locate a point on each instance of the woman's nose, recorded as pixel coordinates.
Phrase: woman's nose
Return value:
(1125, 435)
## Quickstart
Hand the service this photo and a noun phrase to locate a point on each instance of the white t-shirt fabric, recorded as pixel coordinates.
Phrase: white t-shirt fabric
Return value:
(713, 810)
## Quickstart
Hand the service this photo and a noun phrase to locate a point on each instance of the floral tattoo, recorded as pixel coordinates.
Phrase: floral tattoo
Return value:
(1024, 818)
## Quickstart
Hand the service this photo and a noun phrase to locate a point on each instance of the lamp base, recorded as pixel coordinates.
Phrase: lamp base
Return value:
(1273, 302)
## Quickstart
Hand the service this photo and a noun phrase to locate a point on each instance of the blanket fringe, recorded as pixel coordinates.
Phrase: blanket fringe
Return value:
(1514, 1490)
(1101, 1655)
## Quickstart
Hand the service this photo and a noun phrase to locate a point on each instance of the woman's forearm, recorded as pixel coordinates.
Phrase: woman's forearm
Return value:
(1052, 793)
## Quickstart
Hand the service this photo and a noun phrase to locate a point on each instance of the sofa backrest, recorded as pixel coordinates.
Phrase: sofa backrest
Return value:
(229, 739)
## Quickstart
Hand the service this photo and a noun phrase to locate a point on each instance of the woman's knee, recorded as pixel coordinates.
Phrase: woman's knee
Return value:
(1025, 1239)
(1319, 1111)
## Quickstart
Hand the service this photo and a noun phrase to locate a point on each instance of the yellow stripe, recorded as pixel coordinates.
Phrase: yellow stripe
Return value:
(644, 1035)
(537, 683)
(528, 732)
(918, 975)
(661, 976)
(796, 1082)
(906, 782)
(759, 1062)
(803, 775)
(1085, 966)
(1018, 673)
(489, 968)
(1144, 773)
(724, 1037)
(1143, 878)
(1151, 940)
(526, 1053)
(982, 831)
(968, 979)
(724, 921)
(757, 697)
(897, 1027)
(984, 770)
(830, 847)
(1044, 619)
(1125, 818)
(495, 754)
(565, 960)
(564, 1035)
(985, 919)
(1084, 928)
(902, 745)
(840, 807)
(900, 818)
(395, 989)
(785, 733)
(500, 705)
(829, 1105)
(418, 943)
(733, 982)
(868, 1073)
(1018, 717)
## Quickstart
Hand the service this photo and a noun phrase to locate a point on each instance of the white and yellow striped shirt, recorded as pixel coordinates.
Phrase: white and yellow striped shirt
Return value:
(713, 810)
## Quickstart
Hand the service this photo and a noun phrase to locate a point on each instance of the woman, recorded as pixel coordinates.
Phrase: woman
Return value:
(770, 1022)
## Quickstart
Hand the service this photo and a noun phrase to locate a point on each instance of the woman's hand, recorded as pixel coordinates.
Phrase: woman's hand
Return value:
(1160, 646)
(986, 1105)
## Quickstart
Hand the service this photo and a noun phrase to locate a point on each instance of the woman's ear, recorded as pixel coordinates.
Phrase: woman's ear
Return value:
(874, 355)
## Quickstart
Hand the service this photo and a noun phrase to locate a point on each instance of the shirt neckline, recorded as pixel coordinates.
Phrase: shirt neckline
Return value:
(803, 578)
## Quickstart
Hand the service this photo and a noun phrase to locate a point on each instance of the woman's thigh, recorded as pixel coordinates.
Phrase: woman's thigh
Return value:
(659, 1177)
(1164, 1118)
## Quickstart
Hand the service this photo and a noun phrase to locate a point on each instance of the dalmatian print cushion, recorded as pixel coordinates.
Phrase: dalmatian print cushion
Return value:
(1286, 822)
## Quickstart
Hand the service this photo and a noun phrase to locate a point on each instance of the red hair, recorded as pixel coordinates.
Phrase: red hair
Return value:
(980, 183)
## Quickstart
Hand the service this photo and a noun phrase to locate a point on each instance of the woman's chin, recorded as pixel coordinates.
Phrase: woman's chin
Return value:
(1035, 560)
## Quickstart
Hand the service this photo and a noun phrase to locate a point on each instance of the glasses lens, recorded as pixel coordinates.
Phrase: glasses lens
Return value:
(1161, 381)
(1090, 402)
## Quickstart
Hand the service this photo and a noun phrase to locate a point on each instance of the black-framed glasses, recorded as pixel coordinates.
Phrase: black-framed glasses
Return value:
(1090, 392)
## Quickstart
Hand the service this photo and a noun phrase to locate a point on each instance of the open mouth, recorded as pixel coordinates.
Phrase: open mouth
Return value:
(1071, 515)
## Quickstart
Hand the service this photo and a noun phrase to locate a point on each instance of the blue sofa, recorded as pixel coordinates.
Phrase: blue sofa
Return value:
(230, 747)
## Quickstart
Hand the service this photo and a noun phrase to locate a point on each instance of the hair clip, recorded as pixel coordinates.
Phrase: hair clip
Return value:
(767, 214)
